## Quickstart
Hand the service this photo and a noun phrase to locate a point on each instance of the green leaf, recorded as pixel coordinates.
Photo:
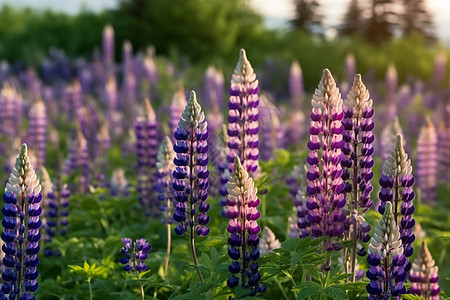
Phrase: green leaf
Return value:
(411, 297)
(334, 292)
(307, 289)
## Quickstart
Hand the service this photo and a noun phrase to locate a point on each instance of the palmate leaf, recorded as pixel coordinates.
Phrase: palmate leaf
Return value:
(412, 297)
(307, 289)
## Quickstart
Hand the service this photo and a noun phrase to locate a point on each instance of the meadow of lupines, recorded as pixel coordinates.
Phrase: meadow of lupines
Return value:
(148, 186)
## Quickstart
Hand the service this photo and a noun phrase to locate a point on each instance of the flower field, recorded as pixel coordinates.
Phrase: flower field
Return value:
(153, 179)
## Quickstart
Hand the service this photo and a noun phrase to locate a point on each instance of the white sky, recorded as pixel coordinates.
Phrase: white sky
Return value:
(275, 11)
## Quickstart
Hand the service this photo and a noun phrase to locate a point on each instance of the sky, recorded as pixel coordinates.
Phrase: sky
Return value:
(276, 12)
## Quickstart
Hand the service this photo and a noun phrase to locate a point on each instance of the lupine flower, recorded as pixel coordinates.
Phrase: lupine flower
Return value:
(176, 108)
(191, 172)
(350, 67)
(129, 82)
(357, 163)
(391, 82)
(135, 255)
(150, 70)
(21, 230)
(271, 131)
(145, 128)
(56, 214)
(294, 128)
(108, 45)
(73, 98)
(213, 88)
(164, 187)
(387, 261)
(440, 65)
(222, 166)
(10, 117)
(296, 85)
(118, 185)
(111, 98)
(298, 185)
(427, 162)
(424, 275)
(243, 116)
(326, 195)
(444, 151)
(37, 130)
(243, 214)
(396, 185)
(268, 241)
(165, 168)
(388, 137)
(77, 161)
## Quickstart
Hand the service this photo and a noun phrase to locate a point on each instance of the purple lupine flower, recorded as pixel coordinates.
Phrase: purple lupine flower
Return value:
(77, 161)
(271, 131)
(164, 187)
(391, 82)
(56, 214)
(150, 70)
(10, 117)
(440, 65)
(243, 116)
(145, 128)
(191, 172)
(222, 166)
(357, 163)
(129, 83)
(424, 275)
(326, 195)
(135, 255)
(296, 85)
(73, 99)
(165, 168)
(269, 241)
(298, 185)
(396, 186)
(108, 45)
(294, 129)
(111, 97)
(118, 184)
(443, 153)
(387, 272)
(243, 227)
(350, 67)
(388, 137)
(37, 130)
(213, 88)
(427, 162)
(176, 108)
(21, 230)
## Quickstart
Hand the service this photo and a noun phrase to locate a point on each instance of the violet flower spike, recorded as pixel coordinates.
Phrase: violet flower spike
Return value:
(387, 261)
(424, 275)
(243, 227)
(145, 128)
(357, 164)
(243, 116)
(326, 195)
(191, 174)
(296, 88)
(21, 230)
(37, 130)
(427, 162)
(396, 188)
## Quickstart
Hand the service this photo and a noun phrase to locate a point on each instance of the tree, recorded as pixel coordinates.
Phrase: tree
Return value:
(383, 22)
(353, 22)
(307, 16)
(417, 19)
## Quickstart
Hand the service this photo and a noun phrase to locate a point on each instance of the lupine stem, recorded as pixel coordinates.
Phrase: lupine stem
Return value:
(90, 288)
(140, 285)
(169, 240)
(194, 256)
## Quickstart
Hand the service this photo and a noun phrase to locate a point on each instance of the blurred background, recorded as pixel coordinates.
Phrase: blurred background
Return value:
(317, 33)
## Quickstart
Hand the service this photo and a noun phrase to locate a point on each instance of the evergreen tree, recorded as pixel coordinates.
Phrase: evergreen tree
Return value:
(417, 19)
(353, 20)
(383, 22)
(307, 16)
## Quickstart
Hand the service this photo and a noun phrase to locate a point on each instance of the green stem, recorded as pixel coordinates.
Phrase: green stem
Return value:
(169, 240)
(281, 288)
(140, 285)
(90, 288)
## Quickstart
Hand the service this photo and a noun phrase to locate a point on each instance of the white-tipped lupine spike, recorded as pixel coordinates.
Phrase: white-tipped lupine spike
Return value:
(358, 97)
(164, 159)
(397, 163)
(23, 178)
(386, 238)
(326, 92)
(268, 241)
(240, 182)
(146, 113)
(192, 114)
(244, 71)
